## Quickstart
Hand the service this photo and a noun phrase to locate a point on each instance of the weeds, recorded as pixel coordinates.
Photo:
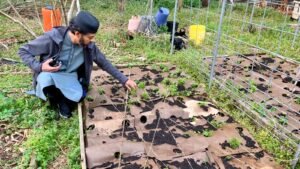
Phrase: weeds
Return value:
(141, 85)
(145, 96)
(207, 133)
(216, 124)
(234, 143)
(101, 91)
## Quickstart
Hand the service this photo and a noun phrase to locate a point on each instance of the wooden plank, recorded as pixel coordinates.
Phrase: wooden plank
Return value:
(82, 144)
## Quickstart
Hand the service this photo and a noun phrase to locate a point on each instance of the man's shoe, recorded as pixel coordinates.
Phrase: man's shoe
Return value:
(52, 104)
(64, 111)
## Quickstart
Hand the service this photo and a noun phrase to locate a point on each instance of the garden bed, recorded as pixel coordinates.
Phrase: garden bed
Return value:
(168, 122)
(270, 84)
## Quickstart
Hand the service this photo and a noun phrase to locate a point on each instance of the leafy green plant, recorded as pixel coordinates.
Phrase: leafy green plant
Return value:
(133, 92)
(252, 86)
(194, 85)
(259, 108)
(166, 81)
(181, 82)
(187, 93)
(156, 90)
(142, 85)
(298, 100)
(162, 29)
(173, 90)
(283, 120)
(216, 124)
(202, 103)
(207, 133)
(101, 91)
(133, 101)
(234, 143)
(155, 67)
(164, 68)
(89, 98)
(145, 96)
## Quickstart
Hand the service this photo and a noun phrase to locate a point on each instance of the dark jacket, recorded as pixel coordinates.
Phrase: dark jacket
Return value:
(50, 44)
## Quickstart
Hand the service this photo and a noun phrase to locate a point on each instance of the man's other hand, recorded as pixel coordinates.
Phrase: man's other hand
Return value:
(47, 68)
(130, 85)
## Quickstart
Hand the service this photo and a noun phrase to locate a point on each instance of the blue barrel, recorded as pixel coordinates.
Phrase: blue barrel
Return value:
(162, 16)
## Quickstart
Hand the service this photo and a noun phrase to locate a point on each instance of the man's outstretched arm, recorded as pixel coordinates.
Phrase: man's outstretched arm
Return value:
(106, 65)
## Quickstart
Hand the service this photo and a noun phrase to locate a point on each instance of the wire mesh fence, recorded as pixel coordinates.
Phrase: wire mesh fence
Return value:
(251, 50)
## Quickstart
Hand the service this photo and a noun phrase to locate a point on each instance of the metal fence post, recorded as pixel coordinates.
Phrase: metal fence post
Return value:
(252, 12)
(174, 24)
(296, 32)
(215, 51)
(296, 157)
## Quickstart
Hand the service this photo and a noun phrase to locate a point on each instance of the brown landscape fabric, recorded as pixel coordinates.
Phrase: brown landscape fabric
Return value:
(162, 132)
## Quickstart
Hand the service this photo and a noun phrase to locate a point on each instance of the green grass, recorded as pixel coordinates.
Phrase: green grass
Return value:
(47, 134)
(298, 100)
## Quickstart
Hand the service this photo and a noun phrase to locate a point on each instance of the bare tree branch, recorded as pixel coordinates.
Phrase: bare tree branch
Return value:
(64, 12)
(19, 22)
(24, 23)
(38, 15)
(71, 10)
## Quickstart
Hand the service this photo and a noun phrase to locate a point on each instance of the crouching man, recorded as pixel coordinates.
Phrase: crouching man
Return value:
(63, 71)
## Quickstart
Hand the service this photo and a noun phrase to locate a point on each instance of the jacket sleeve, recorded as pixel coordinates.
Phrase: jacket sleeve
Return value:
(36, 47)
(106, 65)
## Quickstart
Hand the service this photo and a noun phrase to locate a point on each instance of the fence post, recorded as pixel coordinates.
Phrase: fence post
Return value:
(296, 33)
(296, 157)
(215, 51)
(174, 24)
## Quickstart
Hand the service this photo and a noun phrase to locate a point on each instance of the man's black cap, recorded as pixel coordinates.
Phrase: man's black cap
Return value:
(86, 22)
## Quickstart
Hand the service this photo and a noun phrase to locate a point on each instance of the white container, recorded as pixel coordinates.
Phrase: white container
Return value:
(296, 11)
(134, 23)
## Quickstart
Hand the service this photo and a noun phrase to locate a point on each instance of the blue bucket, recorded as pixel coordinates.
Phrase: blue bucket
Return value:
(162, 16)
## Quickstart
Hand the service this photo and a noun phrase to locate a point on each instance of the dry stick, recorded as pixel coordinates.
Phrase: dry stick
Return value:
(38, 15)
(78, 6)
(71, 10)
(17, 13)
(19, 22)
(54, 21)
(115, 106)
(124, 124)
(64, 12)
(5, 46)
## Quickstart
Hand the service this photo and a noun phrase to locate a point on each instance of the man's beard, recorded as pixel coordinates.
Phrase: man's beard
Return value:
(81, 42)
